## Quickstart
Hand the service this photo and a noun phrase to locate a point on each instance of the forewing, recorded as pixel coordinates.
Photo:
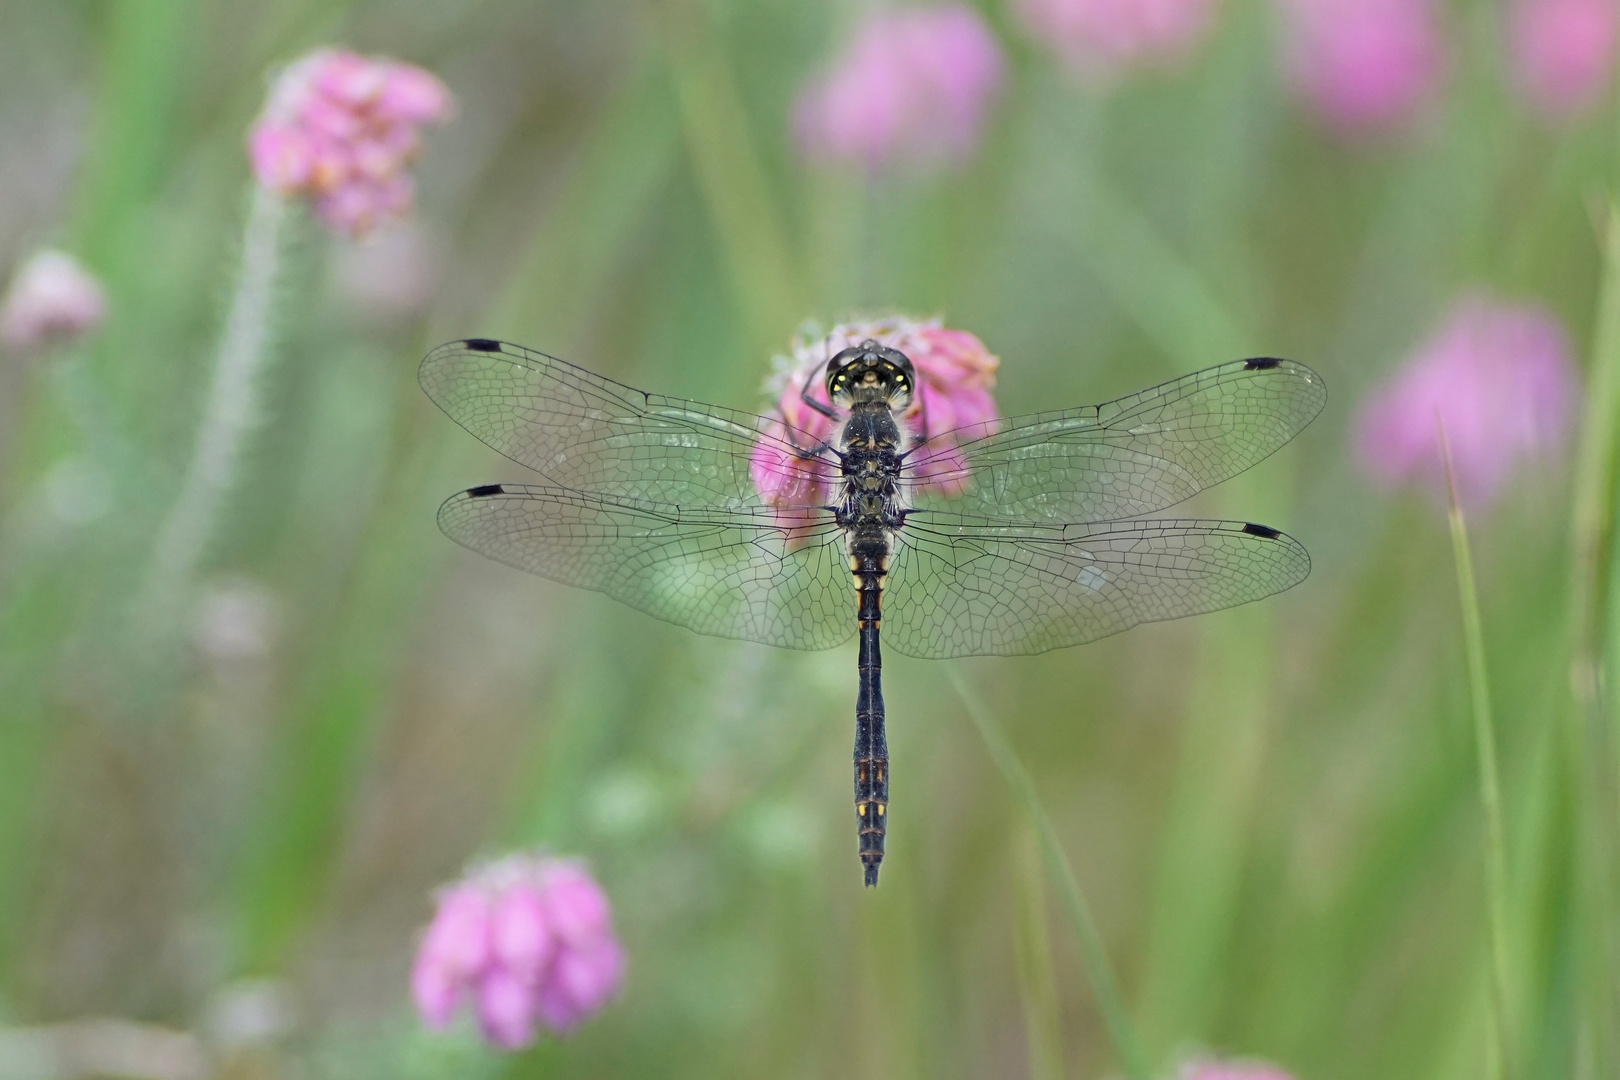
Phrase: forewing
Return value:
(587, 432)
(961, 586)
(1134, 456)
(730, 573)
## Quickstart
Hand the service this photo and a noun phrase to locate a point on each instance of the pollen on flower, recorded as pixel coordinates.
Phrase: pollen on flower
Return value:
(342, 130)
(953, 402)
(528, 942)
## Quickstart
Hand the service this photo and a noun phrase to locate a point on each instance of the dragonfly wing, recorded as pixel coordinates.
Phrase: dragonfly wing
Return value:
(1126, 458)
(732, 573)
(590, 433)
(965, 586)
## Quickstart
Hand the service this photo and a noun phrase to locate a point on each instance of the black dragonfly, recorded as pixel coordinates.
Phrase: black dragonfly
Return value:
(1012, 537)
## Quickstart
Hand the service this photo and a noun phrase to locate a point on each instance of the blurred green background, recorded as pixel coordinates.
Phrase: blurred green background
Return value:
(1274, 811)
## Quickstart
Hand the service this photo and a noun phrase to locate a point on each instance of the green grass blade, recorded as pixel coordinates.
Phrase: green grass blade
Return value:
(1104, 986)
(1479, 692)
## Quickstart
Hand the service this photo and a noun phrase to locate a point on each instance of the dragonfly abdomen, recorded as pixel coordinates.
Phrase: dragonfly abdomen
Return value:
(871, 744)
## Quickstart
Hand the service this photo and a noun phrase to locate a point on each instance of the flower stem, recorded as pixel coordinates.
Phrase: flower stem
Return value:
(1043, 1025)
(227, 415)
(1489, 783)
(1592, 737)
(1099, 973)
(729, 173)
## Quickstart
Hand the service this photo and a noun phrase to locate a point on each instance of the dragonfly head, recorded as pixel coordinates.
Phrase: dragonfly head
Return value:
(871, 372)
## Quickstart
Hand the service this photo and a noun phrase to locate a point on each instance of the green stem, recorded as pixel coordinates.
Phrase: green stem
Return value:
(1104, 986)
(730, 175)
(1591, 741)
(1489, 783)
(1043, 1024)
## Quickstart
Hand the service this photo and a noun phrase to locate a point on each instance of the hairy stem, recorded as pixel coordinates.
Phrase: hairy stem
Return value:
(227, 415)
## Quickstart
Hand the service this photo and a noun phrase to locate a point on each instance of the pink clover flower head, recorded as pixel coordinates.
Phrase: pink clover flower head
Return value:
(343, 129)
(52, 298)
(1563, 53)
(1212, 1069)
(1365, 65)
(913, 85)
(1501, 379)
(955, 374)
(1102, 39)
(529, 941)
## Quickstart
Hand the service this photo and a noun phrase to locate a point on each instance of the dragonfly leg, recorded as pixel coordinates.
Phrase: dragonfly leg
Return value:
(804, 395)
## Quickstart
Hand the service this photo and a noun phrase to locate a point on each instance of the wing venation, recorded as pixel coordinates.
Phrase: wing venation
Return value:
(729, 572)
(1133, 456)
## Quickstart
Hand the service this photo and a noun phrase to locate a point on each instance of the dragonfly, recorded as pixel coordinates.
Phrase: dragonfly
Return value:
(1016, 536)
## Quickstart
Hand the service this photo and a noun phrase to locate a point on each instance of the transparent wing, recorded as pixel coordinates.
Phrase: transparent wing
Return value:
(1134, 456)
(589, 433)
(962, 586)
(728, 572)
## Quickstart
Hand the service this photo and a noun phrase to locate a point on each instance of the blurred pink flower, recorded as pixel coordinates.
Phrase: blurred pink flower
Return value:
(1501, 379)
(343, 129)
(913, 85)
(1366, 65)
(1563, 53)
(529, 940)
(954, 375)
(52, 298)
(1100, 39)
(1210, 1069)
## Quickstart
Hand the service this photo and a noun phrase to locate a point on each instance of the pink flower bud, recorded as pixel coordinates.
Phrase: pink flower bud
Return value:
(1499, 376)
(454, 953)
(1563, 53)
(1102, 39)
(1366, 65)
(913, 85)
(1205, 1069)
(343, 129)
(52, 298)
(523, 937)
(575, 903)
(583, 981)
(507, 1009)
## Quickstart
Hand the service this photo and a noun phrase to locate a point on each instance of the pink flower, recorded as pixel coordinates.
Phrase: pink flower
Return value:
(529, 941)
(1100, 39)
(1366, 65)
(343, 130)
(913, 85)
(1501, 379)
(1563, 53)
(954, 375)
(52, 298)
(1211, 1069)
